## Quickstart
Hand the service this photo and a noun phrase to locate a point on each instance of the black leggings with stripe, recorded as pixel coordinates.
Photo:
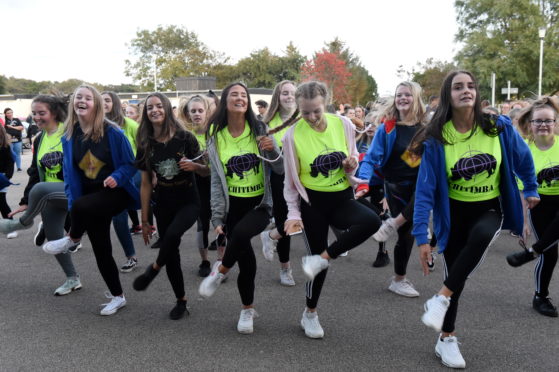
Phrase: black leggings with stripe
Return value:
(474, 226)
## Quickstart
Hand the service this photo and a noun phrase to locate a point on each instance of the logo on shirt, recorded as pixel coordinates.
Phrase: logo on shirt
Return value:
(468, 167)
(168, 168)
(52, 159)
(327, 163)
(548, 175)
(241, 165)
(91, 165)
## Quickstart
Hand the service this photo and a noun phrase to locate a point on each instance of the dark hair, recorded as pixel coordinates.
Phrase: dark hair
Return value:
(262, 103)
(443, 114)
(58, 105)
(4, 142)
(432, 98)
(213, 96)
(7, 109)
(145, 135)
(115, 114)
(219, 119)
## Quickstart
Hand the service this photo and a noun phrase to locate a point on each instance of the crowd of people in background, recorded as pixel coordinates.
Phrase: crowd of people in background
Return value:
(447, 175)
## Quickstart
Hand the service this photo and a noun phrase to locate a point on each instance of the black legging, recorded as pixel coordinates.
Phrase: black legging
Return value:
(4, 207)
(280, 215)
(243, 222)
(340, 210)
(204, 186)
(544, 218)
(173, 220)
(400, 198)
(474, 225)
(93, 212)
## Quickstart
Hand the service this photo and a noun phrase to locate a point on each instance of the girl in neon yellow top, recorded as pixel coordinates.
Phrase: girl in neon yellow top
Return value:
(282, 107)
(318, 192)
(538, 122)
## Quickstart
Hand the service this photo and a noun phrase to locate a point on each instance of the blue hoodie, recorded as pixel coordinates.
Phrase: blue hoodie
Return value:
(431, 192)
(123, 160)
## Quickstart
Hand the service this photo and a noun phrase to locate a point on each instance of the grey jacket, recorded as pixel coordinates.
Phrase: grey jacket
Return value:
(219, 191)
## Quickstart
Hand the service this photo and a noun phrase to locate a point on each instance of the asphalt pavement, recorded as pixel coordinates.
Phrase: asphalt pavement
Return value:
(367, 328)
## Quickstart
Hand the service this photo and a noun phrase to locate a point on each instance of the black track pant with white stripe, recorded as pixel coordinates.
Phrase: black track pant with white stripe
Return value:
(544, 218)
(474, 226)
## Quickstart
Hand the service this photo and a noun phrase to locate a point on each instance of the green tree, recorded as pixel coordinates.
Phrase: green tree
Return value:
(430, 75)
(26, 86)
(174, 51)
(502, 37)
(361, 86)
(2, 84)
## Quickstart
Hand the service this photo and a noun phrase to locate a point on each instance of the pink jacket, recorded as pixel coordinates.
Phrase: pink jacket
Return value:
(293, 189)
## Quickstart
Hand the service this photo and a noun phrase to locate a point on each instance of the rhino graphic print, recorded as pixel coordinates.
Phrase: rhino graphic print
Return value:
(472, 164)
(242, 164)
(548, 175)
(327, 162)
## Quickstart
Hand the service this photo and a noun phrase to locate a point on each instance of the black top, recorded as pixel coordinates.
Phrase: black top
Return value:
(93, 159)
(16, 134)
(397, 169)
(6, 161)
(172, 182)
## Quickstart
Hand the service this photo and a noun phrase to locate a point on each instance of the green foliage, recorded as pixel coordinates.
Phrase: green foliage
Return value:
(2, 84)
(430, 76)
(502, 37)
(174, 51)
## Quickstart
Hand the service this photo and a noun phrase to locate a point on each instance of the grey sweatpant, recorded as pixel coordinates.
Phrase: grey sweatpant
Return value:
(49, 199)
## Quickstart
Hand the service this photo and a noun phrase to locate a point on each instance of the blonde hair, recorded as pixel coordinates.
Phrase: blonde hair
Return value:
(527, 113)
(184, 114)
(417, 111)
(275, 101)
(96, 130)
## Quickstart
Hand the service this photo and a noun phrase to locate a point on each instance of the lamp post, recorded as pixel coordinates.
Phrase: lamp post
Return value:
(541, 33)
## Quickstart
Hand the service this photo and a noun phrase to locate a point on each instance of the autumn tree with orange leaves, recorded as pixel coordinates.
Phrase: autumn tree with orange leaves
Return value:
(330, 69)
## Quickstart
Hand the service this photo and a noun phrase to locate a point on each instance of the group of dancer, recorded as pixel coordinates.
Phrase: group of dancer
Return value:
(471, 173)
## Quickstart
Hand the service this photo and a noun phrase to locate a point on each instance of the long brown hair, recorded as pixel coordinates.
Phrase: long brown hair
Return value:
(4, 140)
(275, 101)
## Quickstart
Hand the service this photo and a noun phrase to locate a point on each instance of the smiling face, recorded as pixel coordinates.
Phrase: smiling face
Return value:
(197, 113)
(84, 104)
(287, 97)
(403, 100)
(312, 109)
(237, 100)
(463, 92)
(107, 103)
(155, 111)
(542, 123)
(41, 114)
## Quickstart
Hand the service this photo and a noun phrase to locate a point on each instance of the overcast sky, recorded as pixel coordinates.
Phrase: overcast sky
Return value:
(62, 39)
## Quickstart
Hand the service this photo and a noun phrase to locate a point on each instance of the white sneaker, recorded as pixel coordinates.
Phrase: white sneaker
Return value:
(403, 288)
(448, 351)
(312, 265)
(60, 246)
(112, 307)
(215, 268)
(311, 325)
(344, 254)
(70, 285)
(435, 311)
(268, 245)
(12, 235)
(386, 230)
(246, 323)
(286, 277)
(210, 283)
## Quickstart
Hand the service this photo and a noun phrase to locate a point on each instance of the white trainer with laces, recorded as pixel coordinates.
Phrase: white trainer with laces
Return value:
(268, 245)
(312, 265)
(311, 325)
(403, 288)
(60, 246)
(245, 325)
(210, 283)
(286, 278)
(70, 285)
(447, 349)
(435, 311)
(386, 230)
(112, 307)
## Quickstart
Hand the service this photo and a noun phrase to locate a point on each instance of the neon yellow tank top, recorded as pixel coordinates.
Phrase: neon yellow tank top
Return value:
(321, 155)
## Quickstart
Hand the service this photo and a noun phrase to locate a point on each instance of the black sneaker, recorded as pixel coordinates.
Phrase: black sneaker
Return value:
(544, 306)
(520, 258)
(157, 244)
(179, 310)
(204, 269)
(142, 282)
(130, 265)
(382, 259)
(40, 237)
